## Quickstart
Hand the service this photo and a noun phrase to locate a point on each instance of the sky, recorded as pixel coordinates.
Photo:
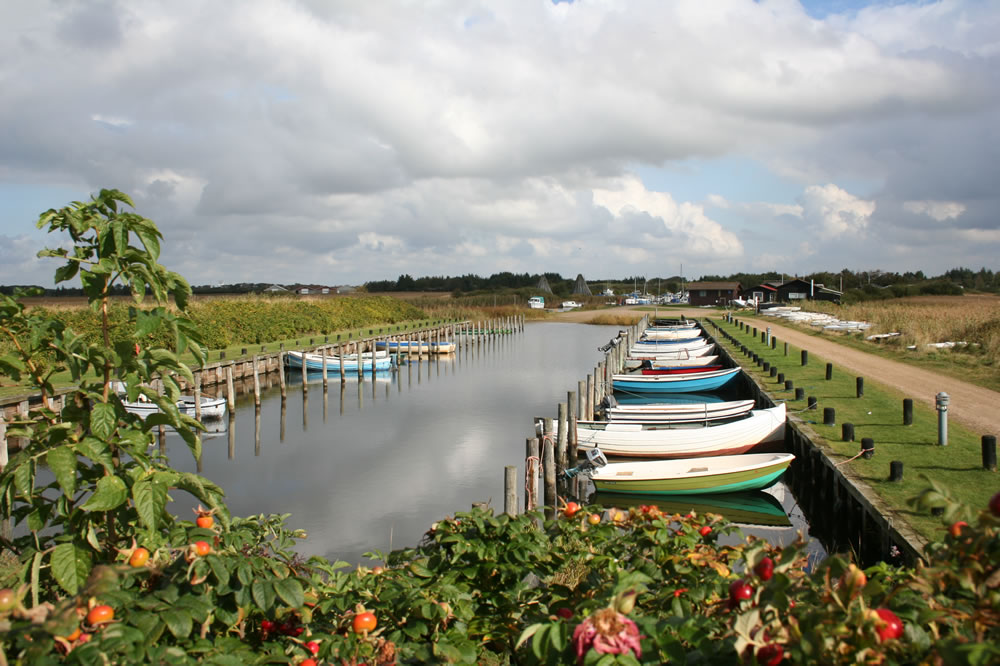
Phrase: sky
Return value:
(308, 141)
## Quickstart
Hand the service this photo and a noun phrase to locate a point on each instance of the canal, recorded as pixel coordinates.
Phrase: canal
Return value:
(371, 465)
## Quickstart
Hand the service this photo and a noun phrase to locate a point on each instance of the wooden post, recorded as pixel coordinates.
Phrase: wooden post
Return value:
(256, 384)
(562, 443)
(589, 413)
(256, 431)
(197, 397)
(230, 392)
(581, 401)
(340, 354)
(549, 469)
(305, 373)
(532, 467)
(510, 490)
(325, 381)
(281, 376)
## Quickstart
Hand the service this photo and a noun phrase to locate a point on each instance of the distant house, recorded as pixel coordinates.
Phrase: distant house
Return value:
(790, 291)
(712, 293)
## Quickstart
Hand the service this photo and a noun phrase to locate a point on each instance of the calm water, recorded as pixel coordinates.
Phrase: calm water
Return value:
(371, 467)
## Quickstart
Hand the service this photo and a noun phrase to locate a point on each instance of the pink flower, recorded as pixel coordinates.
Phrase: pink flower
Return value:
(608, 632)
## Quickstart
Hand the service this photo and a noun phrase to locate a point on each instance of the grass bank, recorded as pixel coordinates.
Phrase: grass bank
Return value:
(877, 414)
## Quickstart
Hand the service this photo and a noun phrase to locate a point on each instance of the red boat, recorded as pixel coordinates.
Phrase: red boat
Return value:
(680, 371)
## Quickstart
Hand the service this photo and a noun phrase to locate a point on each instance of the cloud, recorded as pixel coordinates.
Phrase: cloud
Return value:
(836, 212)
(939, 210)
(273, 141)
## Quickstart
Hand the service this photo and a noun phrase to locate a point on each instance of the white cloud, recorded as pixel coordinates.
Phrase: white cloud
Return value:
(939, 210)
(836, 212)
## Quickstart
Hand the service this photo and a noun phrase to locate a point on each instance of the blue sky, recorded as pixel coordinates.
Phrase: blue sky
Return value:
(304, 141)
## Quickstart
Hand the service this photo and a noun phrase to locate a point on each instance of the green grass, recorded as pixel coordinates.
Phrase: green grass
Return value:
(879, 415)
(236, 352)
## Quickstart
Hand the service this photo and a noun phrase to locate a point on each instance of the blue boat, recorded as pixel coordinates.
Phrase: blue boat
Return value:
(314, 362)
(681, 383)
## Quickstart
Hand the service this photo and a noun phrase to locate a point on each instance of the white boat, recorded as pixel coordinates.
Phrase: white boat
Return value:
(536, 303)
(569, 305)
(641, 348)
(668, 333)
(678, 412)
(643, 353)
(314, 362)
(664, 440)
(716, 474)
(211, 408)
(694, 362)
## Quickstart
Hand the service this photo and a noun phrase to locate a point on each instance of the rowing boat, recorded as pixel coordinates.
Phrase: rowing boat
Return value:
(717, 474)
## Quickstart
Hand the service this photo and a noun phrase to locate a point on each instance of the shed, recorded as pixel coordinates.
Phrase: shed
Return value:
(712, 293)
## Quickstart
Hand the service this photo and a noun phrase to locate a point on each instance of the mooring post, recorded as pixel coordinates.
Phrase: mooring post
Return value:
(907, 411)
(847, 432)
(305, 371)
(532, 469)
(941, 401)
(256, 383)
(549, 470)
(989, 447)
(340, 358)
(562, 443)
(786, 349)
(197, 397)
(281, 375)
(589, 409)
(829, 371)
(581, 401)
(805, 357)
(324, 371)
(867, 447)
(829, 416)
(230, 393)
(860, 388)
(510, 490)
(896, 470)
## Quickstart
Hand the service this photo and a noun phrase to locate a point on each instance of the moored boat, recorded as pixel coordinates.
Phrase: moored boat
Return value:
(697, 437)
(693, 362)
(685, 411)
(716, 474)
(667, 334)
(668, 370)
(408, 346)
(314, 362)
(211, 408)
(662, 351)
(679, 383)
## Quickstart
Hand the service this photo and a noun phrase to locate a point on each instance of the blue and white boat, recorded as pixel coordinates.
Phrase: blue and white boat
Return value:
(680, 383)
(314, 362)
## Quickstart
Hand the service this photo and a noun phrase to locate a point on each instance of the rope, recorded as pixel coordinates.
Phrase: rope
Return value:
(530, 474)
(860, 453)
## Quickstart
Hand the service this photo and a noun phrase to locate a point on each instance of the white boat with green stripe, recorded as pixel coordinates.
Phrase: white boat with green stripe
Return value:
(692, 476)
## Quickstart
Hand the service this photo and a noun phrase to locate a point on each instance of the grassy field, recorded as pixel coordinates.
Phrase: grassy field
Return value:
(878, 414)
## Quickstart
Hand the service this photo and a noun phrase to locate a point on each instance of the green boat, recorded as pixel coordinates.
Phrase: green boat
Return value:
(754, 507)
(692, 476)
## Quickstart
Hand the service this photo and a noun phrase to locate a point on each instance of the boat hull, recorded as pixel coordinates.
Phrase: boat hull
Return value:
(314, 363)
(668, 412)
(682, 383)
(720, 474)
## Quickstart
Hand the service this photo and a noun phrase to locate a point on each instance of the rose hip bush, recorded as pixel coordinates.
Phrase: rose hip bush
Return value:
(109, 576)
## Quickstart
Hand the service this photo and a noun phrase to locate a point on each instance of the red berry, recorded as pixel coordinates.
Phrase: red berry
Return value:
(266, 626)
(770, 655)
(705, 530)
(956, 528)
(740, 590)
(890, 626)
(764, 569)
(313, 647)
(308, 662)
(565, 613)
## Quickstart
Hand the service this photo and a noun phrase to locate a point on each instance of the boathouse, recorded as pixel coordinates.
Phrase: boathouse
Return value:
(790, 291)
(712, 293)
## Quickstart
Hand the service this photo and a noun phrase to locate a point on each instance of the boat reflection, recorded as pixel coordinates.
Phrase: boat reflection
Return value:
(745, 508)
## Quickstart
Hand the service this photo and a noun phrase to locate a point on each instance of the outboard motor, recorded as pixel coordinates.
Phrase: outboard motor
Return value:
(595, 460)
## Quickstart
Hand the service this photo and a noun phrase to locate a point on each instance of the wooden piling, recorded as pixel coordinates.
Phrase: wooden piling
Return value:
(532, 467)
(256, 384)
(230, 392)
(510, 490)
(562, 443)
(281, 376)
(340, 354)
(549, 471)
(325, 383)
(197, 397)
(589, 413)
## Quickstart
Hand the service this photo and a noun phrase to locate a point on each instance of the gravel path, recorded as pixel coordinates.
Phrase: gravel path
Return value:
(972, 406)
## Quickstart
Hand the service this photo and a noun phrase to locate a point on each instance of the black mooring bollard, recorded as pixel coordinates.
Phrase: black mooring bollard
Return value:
(811, 402)
(896, 470)
(847, 432)
(789, 384)
(786, 349)
(774, 342)
(800, 393)
(774, 371)
(907, 411)
(861, 386)
(767, 366)
(805, 357)
(781, 378)
(829, 416)
(829, 371)
(867, 447)
(989, 444)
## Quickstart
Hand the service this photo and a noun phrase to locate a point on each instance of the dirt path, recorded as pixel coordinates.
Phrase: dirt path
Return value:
(972, 406)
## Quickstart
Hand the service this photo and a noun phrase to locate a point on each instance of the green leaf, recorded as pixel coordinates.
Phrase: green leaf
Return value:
(178, 621)
(97, 450)
(70, 567)
(24, 478)
(67, 272)
(290, 591)
(110, 494)
(219, 569)
(263, 594)
(103, 420)
(150, 500)
(62, 462)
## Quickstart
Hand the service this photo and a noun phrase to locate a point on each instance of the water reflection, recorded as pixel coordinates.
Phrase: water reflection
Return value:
(400, 452)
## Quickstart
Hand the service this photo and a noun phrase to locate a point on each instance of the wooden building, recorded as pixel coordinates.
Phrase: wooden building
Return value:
(790, 291)
(712, 293)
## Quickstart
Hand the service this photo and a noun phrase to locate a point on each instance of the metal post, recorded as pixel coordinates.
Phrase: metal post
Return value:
(941, 401)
